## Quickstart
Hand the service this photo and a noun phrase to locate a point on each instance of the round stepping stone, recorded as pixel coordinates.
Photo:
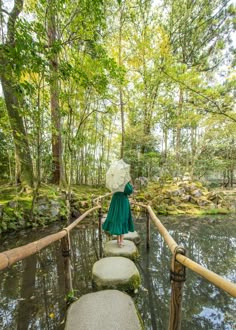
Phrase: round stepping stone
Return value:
(116, 273)
(106, 310)
(129, 250)
(131, 236)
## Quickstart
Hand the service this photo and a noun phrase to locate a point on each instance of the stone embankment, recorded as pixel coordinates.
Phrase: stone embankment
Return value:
(184, 197)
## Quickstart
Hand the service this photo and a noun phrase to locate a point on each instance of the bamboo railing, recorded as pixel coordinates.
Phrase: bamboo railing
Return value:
(8, 258)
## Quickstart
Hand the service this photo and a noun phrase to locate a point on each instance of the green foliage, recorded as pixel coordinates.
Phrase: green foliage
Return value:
(70, 297)
(172, 63)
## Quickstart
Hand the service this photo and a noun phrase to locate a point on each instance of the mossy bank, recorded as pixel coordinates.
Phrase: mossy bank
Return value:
(175, 197)
(20, 210)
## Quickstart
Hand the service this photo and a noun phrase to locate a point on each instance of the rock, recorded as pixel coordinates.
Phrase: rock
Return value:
(186, 177)
(115, 273)
(203, 202)
(42, 208)
(175, 193)
(141, 182)
(75, 213)
(13, 204)
(193, 200)
(106, 310)
(196, 193)
(185, 198)
(129, 250)
(54, 209)
(134, 237)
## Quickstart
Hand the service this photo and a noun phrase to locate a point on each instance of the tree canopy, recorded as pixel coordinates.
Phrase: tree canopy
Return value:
(85, 82)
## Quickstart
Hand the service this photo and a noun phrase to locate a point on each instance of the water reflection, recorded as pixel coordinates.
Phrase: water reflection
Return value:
(33, 295)
(204, 306)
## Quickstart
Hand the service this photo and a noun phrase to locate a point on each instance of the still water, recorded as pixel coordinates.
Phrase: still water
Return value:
(32, 291)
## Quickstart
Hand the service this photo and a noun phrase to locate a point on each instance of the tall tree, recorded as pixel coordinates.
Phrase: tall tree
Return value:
(57, 164)
(9, 74)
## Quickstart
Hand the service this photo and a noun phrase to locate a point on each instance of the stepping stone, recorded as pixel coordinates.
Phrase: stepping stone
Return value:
(103, 310)
(116, 273)
(129, 250)
(131, 236)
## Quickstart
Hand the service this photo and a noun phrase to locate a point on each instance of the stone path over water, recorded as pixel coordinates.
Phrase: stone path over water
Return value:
(110, 309)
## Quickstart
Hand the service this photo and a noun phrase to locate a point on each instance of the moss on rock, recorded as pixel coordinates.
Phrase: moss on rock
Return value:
(183, 197)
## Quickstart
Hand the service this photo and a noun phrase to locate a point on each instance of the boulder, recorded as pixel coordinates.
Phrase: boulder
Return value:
(115, 273)
(106, 310)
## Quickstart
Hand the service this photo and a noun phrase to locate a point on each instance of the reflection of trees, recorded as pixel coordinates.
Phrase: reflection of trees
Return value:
(153, 304)
(60, 283)
(26, 292)
(51, 304)
(10, 284)
(83, 258)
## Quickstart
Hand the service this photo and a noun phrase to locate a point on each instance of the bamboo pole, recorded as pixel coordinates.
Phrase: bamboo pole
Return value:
(8, 258)
(66, 253)
(177, 277)
(100, 230)
(212, 277)
(147, 230)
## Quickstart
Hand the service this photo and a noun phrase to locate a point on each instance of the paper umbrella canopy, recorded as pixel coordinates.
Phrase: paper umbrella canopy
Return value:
(117, 176)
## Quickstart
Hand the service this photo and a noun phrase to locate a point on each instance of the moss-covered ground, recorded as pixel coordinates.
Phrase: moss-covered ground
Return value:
(20, 209)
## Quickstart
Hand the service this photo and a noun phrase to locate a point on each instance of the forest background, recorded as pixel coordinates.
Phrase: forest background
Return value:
(86, 82)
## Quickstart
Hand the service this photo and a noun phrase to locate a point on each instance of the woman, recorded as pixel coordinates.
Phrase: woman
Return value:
(119, 219)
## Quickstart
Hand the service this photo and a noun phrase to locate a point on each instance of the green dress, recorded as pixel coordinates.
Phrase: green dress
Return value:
(119, 219)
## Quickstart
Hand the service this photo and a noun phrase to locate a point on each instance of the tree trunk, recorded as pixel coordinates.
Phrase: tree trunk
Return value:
(57, 165)
(22, 151)
(120, 88)
(14, 101)
(178, 128)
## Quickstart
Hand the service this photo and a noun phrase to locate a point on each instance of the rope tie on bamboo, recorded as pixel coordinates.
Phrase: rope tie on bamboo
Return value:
(66, 252)
(181, 275)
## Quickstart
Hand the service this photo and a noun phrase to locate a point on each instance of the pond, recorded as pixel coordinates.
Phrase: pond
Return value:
(33, 296)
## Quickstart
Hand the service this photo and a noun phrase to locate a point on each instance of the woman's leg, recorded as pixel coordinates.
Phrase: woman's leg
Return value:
(118, 239)
(121, 239)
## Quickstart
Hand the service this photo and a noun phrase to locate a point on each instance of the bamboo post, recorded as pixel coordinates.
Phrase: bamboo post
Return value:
(66, 253)
(100, 230)
(177, 278)
(147, 230)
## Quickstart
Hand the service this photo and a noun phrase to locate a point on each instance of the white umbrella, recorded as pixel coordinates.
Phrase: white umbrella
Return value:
(118, 176)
